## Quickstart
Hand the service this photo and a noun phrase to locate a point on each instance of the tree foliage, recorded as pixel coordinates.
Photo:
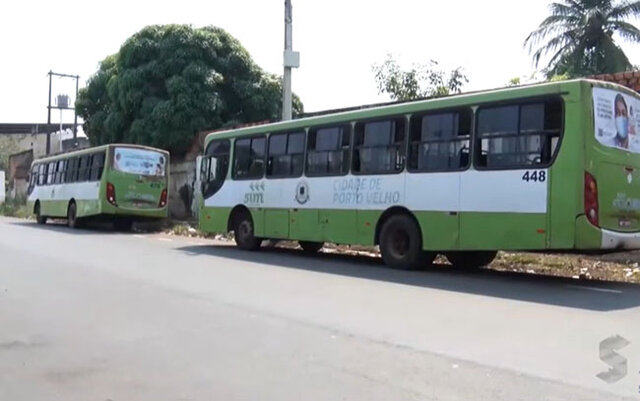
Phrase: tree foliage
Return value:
(578, 37)
(418, 82)
(168, 82)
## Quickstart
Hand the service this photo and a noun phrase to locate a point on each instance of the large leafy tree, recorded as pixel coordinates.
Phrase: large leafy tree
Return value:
(578, 37)
(168, 82)
(417, 82)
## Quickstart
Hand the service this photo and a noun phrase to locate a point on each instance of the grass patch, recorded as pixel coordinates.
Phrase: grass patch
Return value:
(15, 208)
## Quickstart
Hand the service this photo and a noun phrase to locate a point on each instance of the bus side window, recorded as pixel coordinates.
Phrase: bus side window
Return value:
(60, 171)
(42, 174)
(51, 173)
(519, 135)
(83, 168)
(87, 170)
(97, 166)
(33, 178)
(249, 154)
(440, 141)
(72, 171)
(328, 151)
(379, 146)
(285, 155)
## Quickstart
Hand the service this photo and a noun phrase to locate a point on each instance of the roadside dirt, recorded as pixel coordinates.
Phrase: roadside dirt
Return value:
(618, 266)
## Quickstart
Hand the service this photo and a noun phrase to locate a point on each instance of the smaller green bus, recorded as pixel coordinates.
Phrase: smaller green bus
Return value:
(121, 182)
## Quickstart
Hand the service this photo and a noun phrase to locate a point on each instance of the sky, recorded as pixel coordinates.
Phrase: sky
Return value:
(338, 41)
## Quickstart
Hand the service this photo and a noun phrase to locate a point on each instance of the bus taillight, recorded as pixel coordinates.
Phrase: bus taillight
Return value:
(111, 194)
(163, 198)
(591, 199)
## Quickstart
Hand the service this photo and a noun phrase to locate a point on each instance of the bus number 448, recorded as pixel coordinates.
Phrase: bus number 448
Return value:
(535, 176)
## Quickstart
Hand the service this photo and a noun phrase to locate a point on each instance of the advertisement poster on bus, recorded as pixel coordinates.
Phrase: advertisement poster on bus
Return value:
(617, 119)
(139, 161)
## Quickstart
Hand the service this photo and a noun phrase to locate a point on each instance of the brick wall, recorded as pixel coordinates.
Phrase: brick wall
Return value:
(630, 79)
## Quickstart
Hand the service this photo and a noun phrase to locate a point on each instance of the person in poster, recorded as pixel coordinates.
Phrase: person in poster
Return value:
(621, 114)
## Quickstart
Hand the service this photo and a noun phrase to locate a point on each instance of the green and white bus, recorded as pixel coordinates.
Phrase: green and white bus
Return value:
(553, 166)
(119, 182)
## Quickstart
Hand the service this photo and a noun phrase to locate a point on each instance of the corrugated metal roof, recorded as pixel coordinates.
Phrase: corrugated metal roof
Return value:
(31, 128)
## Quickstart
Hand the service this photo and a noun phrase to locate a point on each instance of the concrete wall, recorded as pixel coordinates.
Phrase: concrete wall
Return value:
(182, 177)
(2, 189)
(18, 189)
(15, 143)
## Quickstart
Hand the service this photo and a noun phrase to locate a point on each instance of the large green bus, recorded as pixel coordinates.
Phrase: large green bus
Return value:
(119, 182)
(553, 166)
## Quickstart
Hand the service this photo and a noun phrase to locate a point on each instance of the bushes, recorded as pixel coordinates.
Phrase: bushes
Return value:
(15, 208)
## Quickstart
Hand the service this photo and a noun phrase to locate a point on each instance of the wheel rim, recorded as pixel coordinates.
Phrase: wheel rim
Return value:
(399, 244)
(244, 230)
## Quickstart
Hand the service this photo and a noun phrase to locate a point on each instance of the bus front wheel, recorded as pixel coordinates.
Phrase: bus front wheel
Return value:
(471, 259)
(244, 233)
(40, 219)
(401, 244)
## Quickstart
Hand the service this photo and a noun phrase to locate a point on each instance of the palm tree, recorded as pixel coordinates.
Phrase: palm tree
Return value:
(579, 37)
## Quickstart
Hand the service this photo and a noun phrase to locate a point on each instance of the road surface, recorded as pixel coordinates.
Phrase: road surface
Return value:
(97, 315)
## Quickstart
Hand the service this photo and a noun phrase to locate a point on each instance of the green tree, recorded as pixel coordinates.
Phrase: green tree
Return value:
(579, 37)
(168, 82)
(418, 82)
(515, 81)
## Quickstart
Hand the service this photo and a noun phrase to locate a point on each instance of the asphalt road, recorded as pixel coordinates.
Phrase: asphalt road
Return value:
(97, 315)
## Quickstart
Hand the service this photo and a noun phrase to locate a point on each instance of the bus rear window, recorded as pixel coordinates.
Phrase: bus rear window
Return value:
(139, 161)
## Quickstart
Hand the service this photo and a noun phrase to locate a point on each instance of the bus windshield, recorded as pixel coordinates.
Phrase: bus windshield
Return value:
(617, 119)
(139, 161)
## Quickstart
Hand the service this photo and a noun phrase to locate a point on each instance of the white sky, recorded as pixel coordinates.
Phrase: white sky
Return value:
(338, 42)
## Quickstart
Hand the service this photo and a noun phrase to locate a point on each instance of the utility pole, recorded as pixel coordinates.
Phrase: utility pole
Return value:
(65, 107)
(48, 147)
(291, 60)
(75, 115)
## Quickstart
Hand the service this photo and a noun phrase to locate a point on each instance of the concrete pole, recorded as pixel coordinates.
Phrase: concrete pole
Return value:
(48, 147)
(75, 113)
(286, 81)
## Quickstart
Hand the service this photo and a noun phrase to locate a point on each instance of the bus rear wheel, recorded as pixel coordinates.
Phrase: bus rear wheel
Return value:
(310, 246)
(40, 219)
(244, 233)
(471, 260)
(401, 243)
(72, 216)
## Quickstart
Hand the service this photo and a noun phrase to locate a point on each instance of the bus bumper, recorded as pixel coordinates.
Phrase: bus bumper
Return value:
(616, 240)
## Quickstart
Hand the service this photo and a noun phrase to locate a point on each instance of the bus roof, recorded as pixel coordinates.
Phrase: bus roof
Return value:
(384, 109)
(63, 155)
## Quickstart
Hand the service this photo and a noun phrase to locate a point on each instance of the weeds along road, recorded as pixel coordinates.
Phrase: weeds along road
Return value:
(93, 314)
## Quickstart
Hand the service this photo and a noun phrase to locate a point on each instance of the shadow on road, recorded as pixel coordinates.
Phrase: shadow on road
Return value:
(551, 290)
(90, 228)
